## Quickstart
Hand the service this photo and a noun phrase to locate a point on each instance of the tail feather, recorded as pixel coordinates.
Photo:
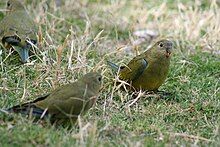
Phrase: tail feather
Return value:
(113, 66)
(21, 46)
(23, 53)
(30, 109)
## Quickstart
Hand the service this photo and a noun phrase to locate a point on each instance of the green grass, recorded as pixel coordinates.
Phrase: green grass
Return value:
(97, 29)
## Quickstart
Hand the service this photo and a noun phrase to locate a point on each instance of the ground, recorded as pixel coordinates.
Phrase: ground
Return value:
(80, 36)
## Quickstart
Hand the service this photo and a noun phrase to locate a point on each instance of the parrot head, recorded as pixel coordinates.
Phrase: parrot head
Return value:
(164, 47)
(94, 80)
(14, 5)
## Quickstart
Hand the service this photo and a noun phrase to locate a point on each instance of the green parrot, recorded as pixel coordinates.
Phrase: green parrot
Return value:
(65, 103)
(18, 30)
(148, 70)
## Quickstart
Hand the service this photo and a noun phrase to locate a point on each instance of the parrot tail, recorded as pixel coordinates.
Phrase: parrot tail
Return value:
(24, 54)
(21, 47)
(30, 109)
(113, 66)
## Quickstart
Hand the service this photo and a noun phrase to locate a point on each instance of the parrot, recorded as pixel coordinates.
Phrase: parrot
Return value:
(148, 70)
(65, 103)
(18, 30)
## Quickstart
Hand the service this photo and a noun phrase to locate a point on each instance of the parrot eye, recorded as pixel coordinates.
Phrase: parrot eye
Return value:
(99, 79)
(8, 4)
(161, 44)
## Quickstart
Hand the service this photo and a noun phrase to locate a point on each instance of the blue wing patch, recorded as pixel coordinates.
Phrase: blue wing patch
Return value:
(140, 69)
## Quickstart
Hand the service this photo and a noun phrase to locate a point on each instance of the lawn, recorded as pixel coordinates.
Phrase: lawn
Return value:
(80, 36)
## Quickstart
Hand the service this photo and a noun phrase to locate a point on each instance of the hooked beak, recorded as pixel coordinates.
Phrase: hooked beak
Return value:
(169, 49)
(168, 53)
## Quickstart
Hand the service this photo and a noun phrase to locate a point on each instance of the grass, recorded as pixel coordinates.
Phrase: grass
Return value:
(97, 30)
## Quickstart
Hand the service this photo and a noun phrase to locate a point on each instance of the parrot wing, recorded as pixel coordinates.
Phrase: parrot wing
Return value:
(12, 40)
(71, 107)
(134, 69)
(62, 111)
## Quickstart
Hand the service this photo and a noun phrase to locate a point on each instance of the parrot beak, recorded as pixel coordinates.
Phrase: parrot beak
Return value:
(24, 54)
(169, 47)
(168, 53)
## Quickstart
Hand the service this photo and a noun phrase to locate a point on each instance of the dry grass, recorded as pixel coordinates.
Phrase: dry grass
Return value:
(79, 36)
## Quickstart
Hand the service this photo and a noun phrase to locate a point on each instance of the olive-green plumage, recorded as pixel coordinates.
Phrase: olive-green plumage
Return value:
(148, 70)
(17, 28)
(66, 102)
